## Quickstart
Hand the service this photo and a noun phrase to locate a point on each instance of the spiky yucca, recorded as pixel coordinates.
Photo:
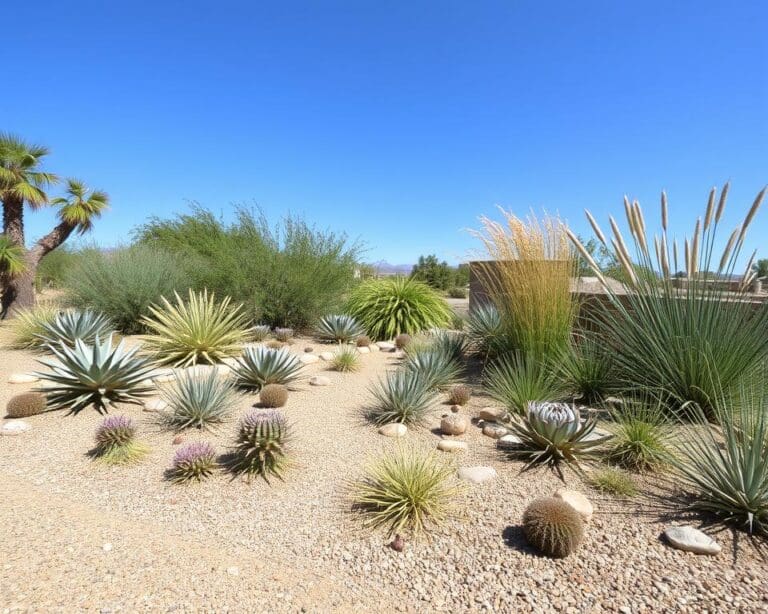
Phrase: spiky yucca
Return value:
(485, 333)
(97, 375)
(116, 441)
(405, 490)
(339, 328)
(198, 330)
(25, 404)
(553, 527)
(28, 325)
(70, 325)
(194, 461)
(260, 447)
(401, 397)
(260, 366)
(202, 401)
(346, 359)
(436, 367)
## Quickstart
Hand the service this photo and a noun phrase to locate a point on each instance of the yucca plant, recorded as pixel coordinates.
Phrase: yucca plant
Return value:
(681, 329)
(28, 325)
(587, 367)
(198, 330)
(260, 448)
(407, 490)
(396, 305)
(436, 367)
(554, 434)
(198, 401)
(70, 325)
(643, 437)
(518, 379)
(339, 329)
(401, 397)
(346, 359)
(261, 365)
(95, 375)
(484, 331)
(450, 342)
(116, 441)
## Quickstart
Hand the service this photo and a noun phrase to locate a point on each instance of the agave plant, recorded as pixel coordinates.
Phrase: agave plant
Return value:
(97, 375)
(402, 397)
(198, 401)
(71, 325)
(339, 328)
(260, 447)
(553, 434)
(437, 368)
(199, 330)
(450, 342)
(484, 330)
(260, 366)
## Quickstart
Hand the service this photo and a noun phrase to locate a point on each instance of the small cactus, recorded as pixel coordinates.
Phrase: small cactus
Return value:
(460, 395)
(25, 404)
(260, 447)
(363, 341)
(284, 334)
(116, 441)
(402, 341)
(193, 461)
(273, 395)
(552, 526)
(260, 332)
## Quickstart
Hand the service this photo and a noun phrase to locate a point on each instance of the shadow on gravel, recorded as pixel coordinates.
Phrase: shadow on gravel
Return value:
(515, 539)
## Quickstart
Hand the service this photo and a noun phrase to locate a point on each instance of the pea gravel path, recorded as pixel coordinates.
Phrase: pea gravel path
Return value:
(293, 546)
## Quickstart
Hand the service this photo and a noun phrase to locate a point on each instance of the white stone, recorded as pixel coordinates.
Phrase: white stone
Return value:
(155, 405)
(23, 378)
(233, 571)
(326, 356)
(452, 445)
(577, 501)
(454, 424)
(308, 359)
(15, 427)
(364, 350)
(386, 346)
(393, 429)
(477, 475)
(691, 540)
(319, 380)
(107, 547)
(509, 441)
(495, 431)
(374, 348)
(492, 414)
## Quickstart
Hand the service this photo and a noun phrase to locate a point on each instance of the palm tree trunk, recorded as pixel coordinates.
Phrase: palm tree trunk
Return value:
(13, 219)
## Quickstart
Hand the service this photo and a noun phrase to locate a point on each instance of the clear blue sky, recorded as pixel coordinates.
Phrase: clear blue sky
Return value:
(398, 122)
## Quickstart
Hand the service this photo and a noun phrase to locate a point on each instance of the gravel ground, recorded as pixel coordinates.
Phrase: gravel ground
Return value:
(227, 545)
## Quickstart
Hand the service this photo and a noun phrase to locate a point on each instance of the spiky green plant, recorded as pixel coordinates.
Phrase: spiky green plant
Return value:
(29, 324)
(346, 359)
(395, 305)
(553, 527)
(517, 379)
(339, 328)
(401, 397)
(194, 461)
(260, 448)
(614, 482)
(686, 338)
(405, 490)
(202, 401)
(116, 442)
(95, 375)
(260, 332)
(70, 325)
(484, 331)
(284, 335)
(642, 436)
(587, 367)
(198, 330)
(260, 366)
(437, 368)
(450, 342)
(554, 434)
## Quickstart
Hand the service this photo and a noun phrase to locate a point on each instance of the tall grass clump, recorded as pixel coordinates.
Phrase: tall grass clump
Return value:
(642, 436)
(394, 306)
(587, 367)
(528, 279)
(682, 330)
(124, 283)
(29, 324)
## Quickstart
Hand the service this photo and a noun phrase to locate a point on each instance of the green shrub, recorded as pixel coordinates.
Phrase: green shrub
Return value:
(396, 305)
(54, 267)
(28, 324)
(346, 360)
(642, 436)
(553, 527)
(202, 401)
(260, 332)
(614, 482)
(25, 404)
(260, 366)
(457, 292)
(199, 330)
(401, 397)
(124, 283)
(405, 490)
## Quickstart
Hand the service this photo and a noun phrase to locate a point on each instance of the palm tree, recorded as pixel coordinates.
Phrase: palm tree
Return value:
(23, 182)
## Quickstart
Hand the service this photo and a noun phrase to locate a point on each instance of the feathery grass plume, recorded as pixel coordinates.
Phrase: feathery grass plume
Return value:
(676, 337)
(202, 401)
(28, 326)
(528, 279)
(198, 330)
(407, 490)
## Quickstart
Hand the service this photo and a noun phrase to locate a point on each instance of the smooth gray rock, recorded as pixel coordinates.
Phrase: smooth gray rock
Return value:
(477, 475)
(691, 540)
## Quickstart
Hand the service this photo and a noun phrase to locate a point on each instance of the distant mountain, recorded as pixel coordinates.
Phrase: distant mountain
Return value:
(385, 268)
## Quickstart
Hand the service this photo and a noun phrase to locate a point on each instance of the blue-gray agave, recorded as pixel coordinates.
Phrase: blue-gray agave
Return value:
(200, 401)
(97, 375)
(70, 325)
(339, 328)
(259, 366)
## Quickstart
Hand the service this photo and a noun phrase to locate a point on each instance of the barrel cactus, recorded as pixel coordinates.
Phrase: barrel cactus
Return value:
(116, 441)
(553, 527)
(260, 447)
(273, 395)
(402, 340)
(193, 461)
(25, 404)
(363, 341)
(460, 395)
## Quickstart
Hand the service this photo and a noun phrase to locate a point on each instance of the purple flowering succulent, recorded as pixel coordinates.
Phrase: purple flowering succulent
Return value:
(194, 461)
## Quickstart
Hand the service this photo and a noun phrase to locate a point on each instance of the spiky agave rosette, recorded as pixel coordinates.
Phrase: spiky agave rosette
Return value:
(193, 461)
(116, 441)
(260, 446)
(97, 375)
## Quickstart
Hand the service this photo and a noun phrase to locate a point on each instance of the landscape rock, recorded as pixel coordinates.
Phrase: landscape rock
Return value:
(577, 501)
(364, 350)
(326, 356)
(374, 348)
(494, 430)
(319, 380)
(477, 475)
(492, 414)
(393, 429)
(386, 346)
(455, 409)
(691, 540)
(308, 359)
(453, 424)
(178, 439)
(452, 445)
(15, 427)
(23, 378)
(155, 405)
(509, 441)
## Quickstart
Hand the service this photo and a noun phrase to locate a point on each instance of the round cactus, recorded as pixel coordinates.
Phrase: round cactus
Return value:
(363, 341)
(193, 461)
(552, 526)
(260, 444)
(25, 404)
(460, 395)
(401, 341)
(116, 440)
(273, 395)
(274, 344)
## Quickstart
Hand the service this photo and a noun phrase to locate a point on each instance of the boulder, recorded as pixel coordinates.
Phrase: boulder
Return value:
(23, 378)
(509, 441)
(319, 380)
(15, 427)
(386, 346)
(364, 350)
(308, 359)
(453, 424)
(492, 414)
(491, 429)
(477, 475)
(691, 540)
(452, 445)
(393, 429)
(577, 501)
(155, 405)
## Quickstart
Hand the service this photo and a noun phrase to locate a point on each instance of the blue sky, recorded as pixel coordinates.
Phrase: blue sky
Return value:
(397, 122)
